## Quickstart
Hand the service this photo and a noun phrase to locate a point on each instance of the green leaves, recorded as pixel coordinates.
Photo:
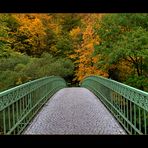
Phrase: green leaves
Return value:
(120, 42)
(140, 82)
(64, 45)
(70, 21)
(18, 68)
(124, 37)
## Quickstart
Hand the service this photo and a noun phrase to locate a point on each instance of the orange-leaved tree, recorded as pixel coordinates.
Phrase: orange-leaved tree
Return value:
(84, 59)
(30, 36)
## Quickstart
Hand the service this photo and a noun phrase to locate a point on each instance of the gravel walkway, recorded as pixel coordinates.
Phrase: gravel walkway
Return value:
(74, 111)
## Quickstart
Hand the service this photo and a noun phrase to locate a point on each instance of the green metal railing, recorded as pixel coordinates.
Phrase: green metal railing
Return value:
(19, 104)
(129, 105)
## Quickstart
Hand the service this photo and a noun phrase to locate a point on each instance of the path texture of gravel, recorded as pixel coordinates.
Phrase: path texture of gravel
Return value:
(74, 111)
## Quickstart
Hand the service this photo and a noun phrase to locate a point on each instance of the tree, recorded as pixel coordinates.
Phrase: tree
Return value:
(70, 21)
(124, 38)
(84, 40)
(8, 26)
(30, 36)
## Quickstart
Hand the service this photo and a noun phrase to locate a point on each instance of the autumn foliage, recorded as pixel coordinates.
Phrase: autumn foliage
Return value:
(73, 45)
(84, 59)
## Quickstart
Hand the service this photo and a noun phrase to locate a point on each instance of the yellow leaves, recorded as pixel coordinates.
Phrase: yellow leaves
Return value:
(88, 32)
(89, 46)
(83, 38)
(85, 70)
(19, 81)
(72, 56)
(84, 60)
(55, 27)
(75, 32)
(81, 65)
(32, 30)
(54, 23)
(86, 65)
(95, 59)
(77, 51)
(32, 26)
(102, 73)
(44, 16)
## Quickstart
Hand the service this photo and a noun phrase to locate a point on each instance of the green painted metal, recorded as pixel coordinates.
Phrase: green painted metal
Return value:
(20, 104)
(128, 105)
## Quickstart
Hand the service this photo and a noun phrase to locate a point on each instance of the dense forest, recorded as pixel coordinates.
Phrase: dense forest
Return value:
(73, 46)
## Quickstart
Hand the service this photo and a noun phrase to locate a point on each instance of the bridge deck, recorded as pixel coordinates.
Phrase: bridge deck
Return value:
(74, 111)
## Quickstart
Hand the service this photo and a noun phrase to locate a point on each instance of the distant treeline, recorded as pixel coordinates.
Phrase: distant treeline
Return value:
(73, 46)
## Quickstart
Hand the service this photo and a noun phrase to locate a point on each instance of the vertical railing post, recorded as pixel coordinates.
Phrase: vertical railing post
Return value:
(4, 122)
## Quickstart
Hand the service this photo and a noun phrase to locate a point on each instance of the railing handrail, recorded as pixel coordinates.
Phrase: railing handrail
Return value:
(25, 84)
(19, 105)
(128, 104)
(119, 83)
(4, 104)
(143, 102)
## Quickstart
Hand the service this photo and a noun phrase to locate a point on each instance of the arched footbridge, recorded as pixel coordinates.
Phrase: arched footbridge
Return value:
(48, 106)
